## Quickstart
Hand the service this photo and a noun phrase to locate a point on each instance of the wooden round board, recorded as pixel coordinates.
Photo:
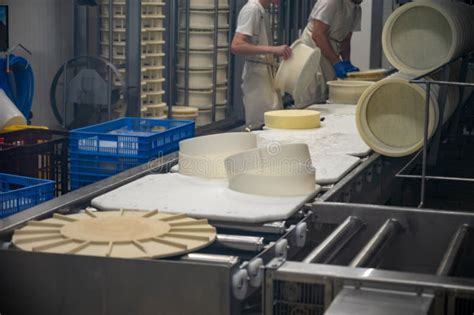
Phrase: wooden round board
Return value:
(122, 234)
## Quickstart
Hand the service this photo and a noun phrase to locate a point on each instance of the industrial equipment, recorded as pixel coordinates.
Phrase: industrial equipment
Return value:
(87, 91)
(376, 238)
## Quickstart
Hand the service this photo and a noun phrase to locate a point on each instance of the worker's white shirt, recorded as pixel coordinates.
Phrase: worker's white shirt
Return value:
(250, 20)
(343, 18)
(254, 22)
(258, 92)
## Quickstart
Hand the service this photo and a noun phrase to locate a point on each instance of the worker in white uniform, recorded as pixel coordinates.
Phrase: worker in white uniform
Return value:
(252, 39)
(330, 29)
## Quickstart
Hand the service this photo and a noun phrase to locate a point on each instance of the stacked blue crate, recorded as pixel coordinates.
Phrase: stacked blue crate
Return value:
(18, 193)
(99, 151)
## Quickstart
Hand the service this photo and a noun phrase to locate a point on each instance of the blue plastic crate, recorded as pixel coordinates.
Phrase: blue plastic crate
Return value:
(131, 137)
(83, 179)
(18, 193)
(92, 164)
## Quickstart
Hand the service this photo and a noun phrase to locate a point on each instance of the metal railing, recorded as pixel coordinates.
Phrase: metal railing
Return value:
(427, 156)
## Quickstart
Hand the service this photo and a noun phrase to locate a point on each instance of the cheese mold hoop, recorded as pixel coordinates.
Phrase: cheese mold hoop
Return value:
(346, 91)
(295, 74)
(369, 75)
(202, 98)
(9, 113)
(205, 115)
(202, 79)
(390, 115)
(276, 170)
(203, 39)
(204, 19)
(203, 59)
(204, 156)
(423, 35)
(205, 4)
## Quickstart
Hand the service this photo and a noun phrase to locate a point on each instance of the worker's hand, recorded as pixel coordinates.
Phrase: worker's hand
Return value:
(340, 69)
(350, 67)
(283, 51)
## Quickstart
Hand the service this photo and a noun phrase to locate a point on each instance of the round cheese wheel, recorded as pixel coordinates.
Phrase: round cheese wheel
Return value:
(293, 119)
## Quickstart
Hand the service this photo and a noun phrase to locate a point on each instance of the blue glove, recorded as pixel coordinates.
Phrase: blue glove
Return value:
(350, 67)
(340, 69)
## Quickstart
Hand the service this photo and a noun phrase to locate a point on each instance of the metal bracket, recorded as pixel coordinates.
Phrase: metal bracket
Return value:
(255, 272)
(301, 231)
(356, 301)
(275, 263)
(240, 284)
(281, 248)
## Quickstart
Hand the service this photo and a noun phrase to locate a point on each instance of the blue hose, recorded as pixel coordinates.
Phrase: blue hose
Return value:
(19, 84)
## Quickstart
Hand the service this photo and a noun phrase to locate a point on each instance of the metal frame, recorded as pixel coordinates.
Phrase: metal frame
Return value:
(65, 284)
(368, 228)
(334, 279)
(133, 56)
(376, 174)
(234, 263)
(430, 157)
(174, 50)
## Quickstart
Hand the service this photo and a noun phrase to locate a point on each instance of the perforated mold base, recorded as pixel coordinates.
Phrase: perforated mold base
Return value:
(124, 234)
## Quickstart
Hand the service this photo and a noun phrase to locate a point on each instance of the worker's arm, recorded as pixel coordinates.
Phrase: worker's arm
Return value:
(321, 38)
(241, 45)
(346, 47)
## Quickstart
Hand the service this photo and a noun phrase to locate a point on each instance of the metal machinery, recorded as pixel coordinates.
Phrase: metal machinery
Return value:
(360, 246)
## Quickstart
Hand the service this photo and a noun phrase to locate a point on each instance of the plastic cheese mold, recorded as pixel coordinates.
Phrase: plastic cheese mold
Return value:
(204, 156)
(281, 170)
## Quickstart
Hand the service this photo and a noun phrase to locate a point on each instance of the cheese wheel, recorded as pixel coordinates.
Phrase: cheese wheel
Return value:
(293, 119)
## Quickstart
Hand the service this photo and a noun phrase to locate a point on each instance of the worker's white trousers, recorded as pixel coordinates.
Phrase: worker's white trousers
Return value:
(259, 95)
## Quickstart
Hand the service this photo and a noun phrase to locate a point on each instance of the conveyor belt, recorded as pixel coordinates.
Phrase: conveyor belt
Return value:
(232, 263)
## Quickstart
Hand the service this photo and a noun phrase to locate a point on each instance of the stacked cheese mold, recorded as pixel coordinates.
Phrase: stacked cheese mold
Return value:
(275, 170)
(152, 49)
(196, 48)
(417, 39)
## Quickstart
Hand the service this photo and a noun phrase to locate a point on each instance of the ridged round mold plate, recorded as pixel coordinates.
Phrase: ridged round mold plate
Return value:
(123, 234)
